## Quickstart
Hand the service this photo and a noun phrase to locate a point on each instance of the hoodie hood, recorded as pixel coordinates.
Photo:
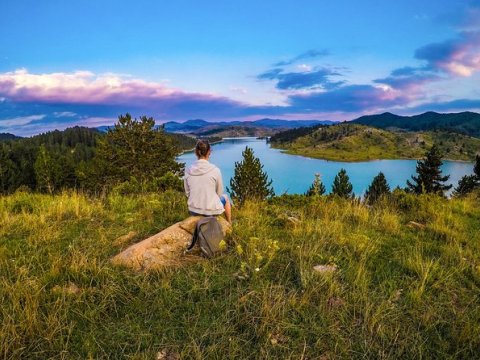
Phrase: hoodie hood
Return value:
(200, 167)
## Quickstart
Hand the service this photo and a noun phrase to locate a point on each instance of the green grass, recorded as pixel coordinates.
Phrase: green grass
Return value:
(399, 292)
(351, 142)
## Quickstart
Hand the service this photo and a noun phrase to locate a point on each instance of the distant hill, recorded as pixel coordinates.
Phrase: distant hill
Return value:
(354, 142)
(8, 136)
(467, 122)
(236, 131)
(199, 126)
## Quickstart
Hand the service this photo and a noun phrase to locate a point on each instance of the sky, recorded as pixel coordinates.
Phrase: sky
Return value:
(85, 62)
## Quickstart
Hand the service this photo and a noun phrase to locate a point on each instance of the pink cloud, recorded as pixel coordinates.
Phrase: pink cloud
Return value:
(458, 57)
(85, 87)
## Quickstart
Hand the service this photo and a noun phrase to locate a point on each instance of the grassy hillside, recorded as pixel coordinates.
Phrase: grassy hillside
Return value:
(399, 292)
(352, 142)
(466, 122)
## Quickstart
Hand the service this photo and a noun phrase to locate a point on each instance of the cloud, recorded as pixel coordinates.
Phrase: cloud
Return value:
(457, 57)
(317, 78)
(310, 54)
(109, 93)
(18, 121)
(64, 114)
(349, 98)
(409, 79)
(453, 105)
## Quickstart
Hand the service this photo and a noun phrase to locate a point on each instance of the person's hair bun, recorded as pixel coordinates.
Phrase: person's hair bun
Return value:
(202, 148)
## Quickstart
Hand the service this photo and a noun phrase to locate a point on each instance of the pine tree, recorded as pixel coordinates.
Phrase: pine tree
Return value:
(429, 179)
(342, 185)
(249, 181)
(46, 171)
(468, 183)
(377, 189)
(317, 188)
(476, 168)
(135, 149)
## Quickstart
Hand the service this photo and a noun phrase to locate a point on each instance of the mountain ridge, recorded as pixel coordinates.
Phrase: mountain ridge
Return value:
(466, 122)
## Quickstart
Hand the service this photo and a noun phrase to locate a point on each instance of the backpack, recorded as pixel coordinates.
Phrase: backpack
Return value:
(208, 234)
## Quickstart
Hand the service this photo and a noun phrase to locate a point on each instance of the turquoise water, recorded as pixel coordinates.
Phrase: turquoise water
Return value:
(294, 174)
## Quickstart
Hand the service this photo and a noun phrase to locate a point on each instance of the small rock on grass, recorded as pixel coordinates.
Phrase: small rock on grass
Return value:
(166, 354)
(325, 269)
(70, 289)
(416, 225)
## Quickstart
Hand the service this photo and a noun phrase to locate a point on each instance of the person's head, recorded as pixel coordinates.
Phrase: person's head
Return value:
(202, 149)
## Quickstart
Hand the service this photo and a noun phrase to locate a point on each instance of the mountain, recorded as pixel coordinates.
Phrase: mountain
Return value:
(355, 142)
(8, 136)
(200, 126)
(236, 131)
(467, 122)
(187, 126)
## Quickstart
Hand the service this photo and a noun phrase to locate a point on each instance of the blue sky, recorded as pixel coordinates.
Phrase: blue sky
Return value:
(85, 62)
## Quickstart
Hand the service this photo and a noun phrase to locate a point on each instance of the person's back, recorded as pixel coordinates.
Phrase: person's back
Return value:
(204, 185)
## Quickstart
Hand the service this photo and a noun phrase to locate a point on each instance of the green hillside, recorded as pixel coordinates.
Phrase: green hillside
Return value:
(353, 142)
(466, 122)
(399, 292)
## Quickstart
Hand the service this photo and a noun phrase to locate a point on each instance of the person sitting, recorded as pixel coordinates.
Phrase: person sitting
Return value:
(204, 185)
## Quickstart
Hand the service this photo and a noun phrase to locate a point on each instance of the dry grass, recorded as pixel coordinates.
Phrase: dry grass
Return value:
(398, 292)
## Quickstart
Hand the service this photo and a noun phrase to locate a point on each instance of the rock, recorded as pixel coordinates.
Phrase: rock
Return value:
(167, 355)
(325, 269)
(278, 339)
(293, 220)
(70, 289)
(335, 302)
(124, 238)
(416, 225)
(165, 248)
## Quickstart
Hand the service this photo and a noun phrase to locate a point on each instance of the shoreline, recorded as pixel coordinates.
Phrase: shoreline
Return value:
(290, 152)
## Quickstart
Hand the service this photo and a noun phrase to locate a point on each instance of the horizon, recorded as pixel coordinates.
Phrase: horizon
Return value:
(65, 65)
(221, 121)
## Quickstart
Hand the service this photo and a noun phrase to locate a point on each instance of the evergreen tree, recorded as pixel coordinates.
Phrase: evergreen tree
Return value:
(476, 167)
(8, 170)
(468, 183)
(378, 188)
(317, 188)
(249, 181)
(429, 179)
(342, 185)
(134, 149)
(46, 171)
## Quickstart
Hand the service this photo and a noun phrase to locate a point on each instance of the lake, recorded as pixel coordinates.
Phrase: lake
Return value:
(294, 174)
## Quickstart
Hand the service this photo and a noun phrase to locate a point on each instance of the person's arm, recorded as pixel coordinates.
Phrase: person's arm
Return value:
(219, 188)
(185, 185)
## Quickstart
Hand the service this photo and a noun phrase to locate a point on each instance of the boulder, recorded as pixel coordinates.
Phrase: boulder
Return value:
(165, 248)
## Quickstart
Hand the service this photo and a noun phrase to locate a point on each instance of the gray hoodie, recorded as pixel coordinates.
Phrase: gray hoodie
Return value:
(203, 186)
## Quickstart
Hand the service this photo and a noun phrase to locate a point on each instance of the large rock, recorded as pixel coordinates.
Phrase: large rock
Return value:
(165, 248)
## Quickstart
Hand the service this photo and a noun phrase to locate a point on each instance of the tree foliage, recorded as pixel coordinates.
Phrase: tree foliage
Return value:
(132, 149)
(377, 189)
(250, 182)
(342, 185)
(317, 188)
(429, 177)
(468, 183)
(65, 149)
